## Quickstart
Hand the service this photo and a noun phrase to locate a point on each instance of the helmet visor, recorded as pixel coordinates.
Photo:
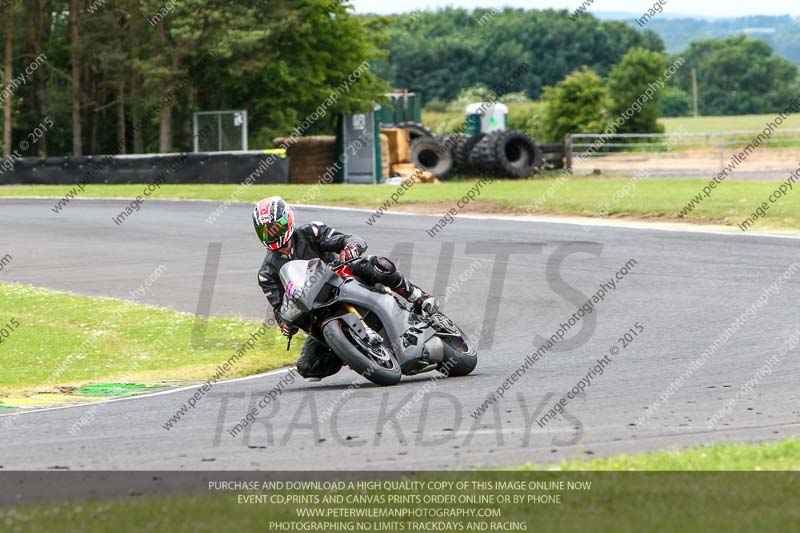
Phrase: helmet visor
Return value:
(273, 232)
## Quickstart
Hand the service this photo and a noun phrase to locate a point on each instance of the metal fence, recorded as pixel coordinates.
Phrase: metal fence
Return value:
(686, 154)
(229, 131)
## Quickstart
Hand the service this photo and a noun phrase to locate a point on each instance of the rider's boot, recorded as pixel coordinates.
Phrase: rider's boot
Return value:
(423, 302)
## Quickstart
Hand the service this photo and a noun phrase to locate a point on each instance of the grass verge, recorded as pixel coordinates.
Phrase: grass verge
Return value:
(68, 340)
(604, 501)
(780, 456)
(729, 204)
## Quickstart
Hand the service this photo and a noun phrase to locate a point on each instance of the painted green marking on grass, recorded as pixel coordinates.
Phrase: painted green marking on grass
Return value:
(118, 389)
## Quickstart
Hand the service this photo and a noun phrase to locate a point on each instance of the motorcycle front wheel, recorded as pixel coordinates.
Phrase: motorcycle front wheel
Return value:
(460, 354)
(376, 363)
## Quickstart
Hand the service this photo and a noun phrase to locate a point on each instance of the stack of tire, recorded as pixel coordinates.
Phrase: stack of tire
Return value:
(510, 154)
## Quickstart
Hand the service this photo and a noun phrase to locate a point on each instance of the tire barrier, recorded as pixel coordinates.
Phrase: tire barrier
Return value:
(431, 154)
(509, 154)
(217, 168)
(463, 149)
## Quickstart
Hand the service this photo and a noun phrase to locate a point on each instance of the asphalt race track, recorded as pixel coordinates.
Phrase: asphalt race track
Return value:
(685, 289)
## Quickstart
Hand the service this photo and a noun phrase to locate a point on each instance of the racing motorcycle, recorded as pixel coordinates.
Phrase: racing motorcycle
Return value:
(371, 329)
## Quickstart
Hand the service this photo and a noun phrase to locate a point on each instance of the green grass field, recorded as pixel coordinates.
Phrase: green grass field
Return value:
(524, 116)
(68, 340)
(618, 501)
(729, 123)
(730, 203)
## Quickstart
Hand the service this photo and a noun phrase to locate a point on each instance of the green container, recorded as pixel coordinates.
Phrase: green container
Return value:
(473, 124)
(362, 165)
(486, 117)
(401, 107)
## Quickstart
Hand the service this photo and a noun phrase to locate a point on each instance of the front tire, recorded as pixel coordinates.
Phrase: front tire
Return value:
(460, 355)
(377, 364)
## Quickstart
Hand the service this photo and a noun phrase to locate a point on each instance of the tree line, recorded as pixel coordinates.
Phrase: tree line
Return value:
(125, 76)
(442, 53)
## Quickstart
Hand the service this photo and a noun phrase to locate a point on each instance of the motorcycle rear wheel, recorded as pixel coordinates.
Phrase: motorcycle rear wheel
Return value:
(376, 363)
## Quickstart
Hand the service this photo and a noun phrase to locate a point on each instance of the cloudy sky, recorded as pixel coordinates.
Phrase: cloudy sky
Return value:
(723, 8)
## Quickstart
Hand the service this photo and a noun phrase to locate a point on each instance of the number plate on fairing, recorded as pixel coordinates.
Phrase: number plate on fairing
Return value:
(446, 326)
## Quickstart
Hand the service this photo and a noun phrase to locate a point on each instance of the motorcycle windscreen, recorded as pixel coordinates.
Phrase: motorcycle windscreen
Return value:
(293, 277)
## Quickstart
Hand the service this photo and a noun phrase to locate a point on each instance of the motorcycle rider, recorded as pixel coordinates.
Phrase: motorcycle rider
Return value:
(274, 223)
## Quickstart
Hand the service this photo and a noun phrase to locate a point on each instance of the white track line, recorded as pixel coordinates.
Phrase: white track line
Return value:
(671, 227)
(151, 395)
(579, 221)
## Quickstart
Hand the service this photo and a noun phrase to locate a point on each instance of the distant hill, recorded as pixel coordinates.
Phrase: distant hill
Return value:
(783, 32)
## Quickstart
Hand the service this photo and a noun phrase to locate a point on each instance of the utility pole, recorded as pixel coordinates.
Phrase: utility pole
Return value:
(694, 90)
(7, 78)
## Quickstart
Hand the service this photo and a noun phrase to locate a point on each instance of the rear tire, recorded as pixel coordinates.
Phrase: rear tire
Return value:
(360, 358)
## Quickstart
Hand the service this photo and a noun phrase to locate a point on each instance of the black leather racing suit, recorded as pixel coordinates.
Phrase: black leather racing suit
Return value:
(319, 241)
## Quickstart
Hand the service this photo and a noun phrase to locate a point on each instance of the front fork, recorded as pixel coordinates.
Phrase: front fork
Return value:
(372, 336)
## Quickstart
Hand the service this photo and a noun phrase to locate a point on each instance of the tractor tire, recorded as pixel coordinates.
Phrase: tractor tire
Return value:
(462, 151)
(415, 129)
(429, 153)
(517, 155)
(483, 157)
(451, 143)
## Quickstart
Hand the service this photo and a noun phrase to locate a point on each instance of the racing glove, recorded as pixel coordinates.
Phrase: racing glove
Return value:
(287, 329)
(350, 252)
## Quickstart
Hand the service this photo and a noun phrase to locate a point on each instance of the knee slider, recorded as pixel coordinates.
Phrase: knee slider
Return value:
(382, 265)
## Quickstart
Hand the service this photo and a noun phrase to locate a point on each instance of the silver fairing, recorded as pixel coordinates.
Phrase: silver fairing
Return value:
(396, 320)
